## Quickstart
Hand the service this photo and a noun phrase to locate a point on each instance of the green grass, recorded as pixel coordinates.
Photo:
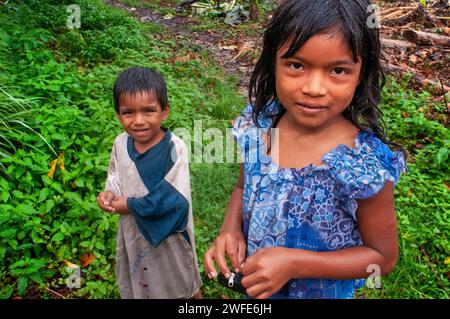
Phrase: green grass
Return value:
(422, 197)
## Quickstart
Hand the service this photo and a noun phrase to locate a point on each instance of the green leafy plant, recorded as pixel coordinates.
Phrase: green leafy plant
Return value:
(14, 121)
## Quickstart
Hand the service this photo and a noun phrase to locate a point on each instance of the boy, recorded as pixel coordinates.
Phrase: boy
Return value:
(148, 184)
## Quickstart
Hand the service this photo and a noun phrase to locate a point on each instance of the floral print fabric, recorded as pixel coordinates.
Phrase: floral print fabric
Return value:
(311, 208)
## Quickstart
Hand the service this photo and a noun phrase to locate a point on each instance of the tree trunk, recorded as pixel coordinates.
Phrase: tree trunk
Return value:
(426, 38)
(253, 10)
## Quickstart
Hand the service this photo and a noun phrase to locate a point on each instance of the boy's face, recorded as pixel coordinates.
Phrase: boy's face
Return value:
(141, 116)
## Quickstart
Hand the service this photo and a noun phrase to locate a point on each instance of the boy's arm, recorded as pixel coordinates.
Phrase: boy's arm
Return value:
(112, 180)
(164, 210)
(162, 199)
(172, 192)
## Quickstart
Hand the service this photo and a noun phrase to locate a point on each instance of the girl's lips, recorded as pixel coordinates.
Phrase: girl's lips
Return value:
(309, 109)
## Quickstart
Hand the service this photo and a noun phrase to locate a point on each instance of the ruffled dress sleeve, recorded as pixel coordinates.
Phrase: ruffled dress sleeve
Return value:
(242, 123)
(251, 138)
(362, 171)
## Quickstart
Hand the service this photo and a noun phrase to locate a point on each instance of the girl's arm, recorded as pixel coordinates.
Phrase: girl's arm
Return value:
(231, 239)
(269, 269)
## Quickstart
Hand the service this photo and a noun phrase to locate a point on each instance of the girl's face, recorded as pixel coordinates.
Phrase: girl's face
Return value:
(318, 82)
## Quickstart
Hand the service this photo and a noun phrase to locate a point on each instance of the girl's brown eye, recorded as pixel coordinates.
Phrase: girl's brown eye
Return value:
(339, 71)
(296, 65)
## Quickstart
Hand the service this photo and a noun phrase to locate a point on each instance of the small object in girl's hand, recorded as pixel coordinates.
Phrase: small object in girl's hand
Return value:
(233, 283)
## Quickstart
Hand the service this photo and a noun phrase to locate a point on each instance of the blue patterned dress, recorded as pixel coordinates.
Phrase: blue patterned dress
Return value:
(311, 208)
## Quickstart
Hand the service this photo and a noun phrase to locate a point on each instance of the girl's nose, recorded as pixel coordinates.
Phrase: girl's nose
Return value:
(314, 85)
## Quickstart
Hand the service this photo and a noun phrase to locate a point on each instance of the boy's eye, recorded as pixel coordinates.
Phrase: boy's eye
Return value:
(339, 71)
(296, 65)
(125, 112)
(149, 110)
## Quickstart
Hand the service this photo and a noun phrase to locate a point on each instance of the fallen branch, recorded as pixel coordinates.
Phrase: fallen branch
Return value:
(245, 48)
(399, 17)
(436, 85)
(426, 38)
(56, 293)
(394, 12)
(391, 43)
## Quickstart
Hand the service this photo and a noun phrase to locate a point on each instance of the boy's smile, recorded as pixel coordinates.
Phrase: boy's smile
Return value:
(318, 82)
(141, 116)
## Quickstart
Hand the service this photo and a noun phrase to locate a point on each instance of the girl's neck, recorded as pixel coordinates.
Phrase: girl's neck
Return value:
(296, 146)
(330, 128)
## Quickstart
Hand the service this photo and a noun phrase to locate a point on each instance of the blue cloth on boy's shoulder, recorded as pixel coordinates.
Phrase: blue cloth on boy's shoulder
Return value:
(313, 207)
(164, 210)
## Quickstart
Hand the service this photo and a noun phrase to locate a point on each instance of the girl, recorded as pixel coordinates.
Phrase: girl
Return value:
(313, 211)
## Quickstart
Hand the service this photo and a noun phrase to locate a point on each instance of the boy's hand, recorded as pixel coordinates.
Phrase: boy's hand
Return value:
(119, 205)
(104, 200)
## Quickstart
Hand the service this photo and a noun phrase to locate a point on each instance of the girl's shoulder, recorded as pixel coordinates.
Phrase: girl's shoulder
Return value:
(265, 118)
(361, 171)
(244, 122)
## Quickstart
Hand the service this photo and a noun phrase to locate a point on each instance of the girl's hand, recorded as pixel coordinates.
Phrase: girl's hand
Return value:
(266, 272)
(231, 243)
(119, 205)
(104, 200)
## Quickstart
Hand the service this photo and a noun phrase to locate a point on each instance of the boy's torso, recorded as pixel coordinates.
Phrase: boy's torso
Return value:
(168, 270)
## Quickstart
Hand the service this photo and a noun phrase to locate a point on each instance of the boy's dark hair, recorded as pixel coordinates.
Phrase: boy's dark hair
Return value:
(139, 79)
(301, 20)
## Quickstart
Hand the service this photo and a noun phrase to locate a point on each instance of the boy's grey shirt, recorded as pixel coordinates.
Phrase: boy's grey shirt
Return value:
(168, 269)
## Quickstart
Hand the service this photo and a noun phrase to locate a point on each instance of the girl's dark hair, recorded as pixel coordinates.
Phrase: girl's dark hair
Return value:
(138, 79)
(301, 20)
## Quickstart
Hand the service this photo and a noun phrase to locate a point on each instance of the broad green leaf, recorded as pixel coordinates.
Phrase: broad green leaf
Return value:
(13, 243)
(43, 194)
(85, 243)
(58, 236)
(25, 209)
(442, 155)
(49, 204)
(22, 285)
(8, 233)
(6, 292)
(2, 253)
(99, 245)
(5, 196)
(36, 277)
